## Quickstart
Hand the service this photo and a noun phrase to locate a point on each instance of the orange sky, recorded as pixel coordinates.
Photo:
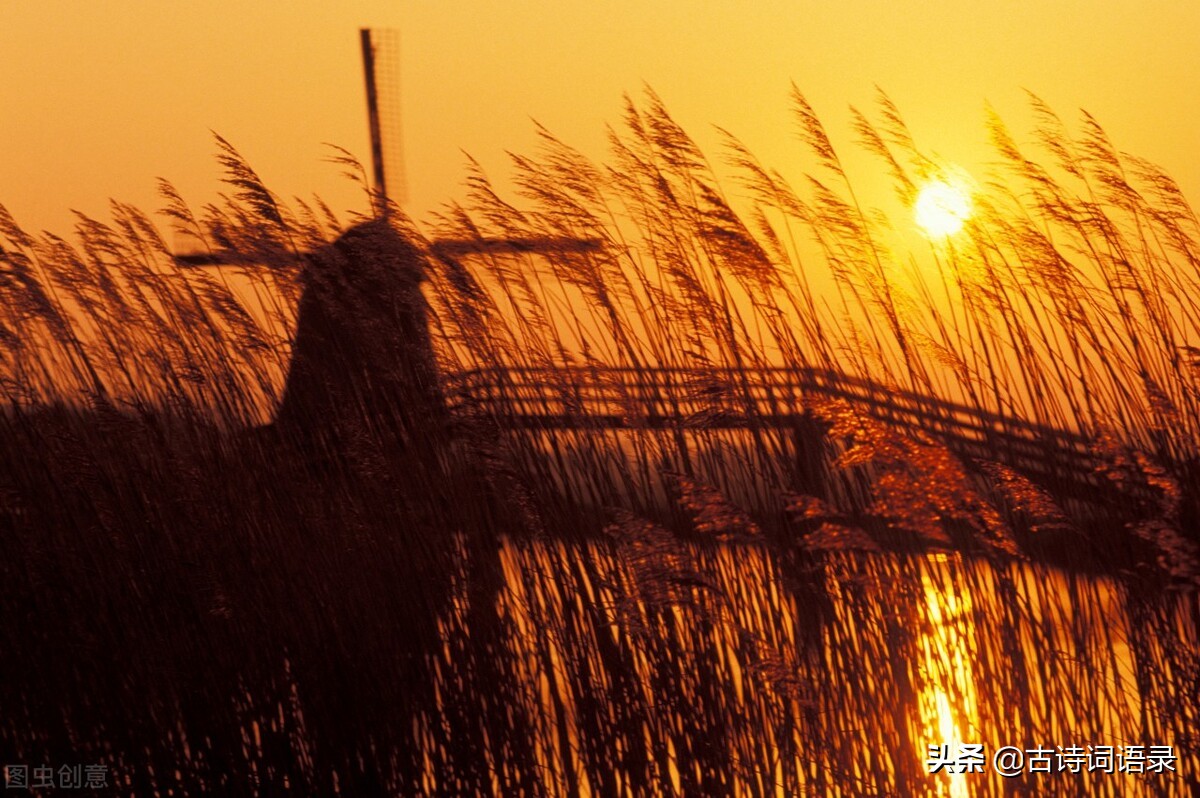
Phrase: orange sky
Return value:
(99, 99)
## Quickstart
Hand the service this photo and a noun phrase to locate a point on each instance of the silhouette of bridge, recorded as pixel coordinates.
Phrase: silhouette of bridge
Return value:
(697, 399)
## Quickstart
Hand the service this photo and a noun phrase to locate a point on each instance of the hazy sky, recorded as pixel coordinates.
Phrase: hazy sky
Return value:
(97, 99)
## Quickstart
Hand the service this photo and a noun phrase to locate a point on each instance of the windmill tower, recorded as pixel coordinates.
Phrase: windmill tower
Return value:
(381, 69)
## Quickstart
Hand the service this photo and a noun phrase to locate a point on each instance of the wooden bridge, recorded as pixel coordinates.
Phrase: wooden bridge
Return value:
(567, 398)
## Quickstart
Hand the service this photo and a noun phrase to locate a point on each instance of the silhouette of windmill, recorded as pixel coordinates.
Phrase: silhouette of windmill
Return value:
(362, 347)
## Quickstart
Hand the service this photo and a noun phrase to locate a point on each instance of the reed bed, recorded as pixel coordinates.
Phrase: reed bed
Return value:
(206, 606)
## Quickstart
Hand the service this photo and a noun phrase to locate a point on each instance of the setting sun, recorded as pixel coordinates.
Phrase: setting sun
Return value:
(942, 206)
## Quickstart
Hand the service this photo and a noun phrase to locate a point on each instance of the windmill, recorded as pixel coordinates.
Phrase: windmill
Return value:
(363, 288)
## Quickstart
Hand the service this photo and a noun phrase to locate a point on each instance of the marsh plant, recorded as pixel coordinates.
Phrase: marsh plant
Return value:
(750, 584)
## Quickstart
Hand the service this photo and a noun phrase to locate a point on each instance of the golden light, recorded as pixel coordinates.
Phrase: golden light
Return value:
(942, 206)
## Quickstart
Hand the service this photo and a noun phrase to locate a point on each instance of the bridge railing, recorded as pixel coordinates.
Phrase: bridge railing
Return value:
(716, 398)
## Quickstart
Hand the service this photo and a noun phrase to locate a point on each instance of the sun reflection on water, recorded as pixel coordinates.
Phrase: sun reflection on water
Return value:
(947, 698)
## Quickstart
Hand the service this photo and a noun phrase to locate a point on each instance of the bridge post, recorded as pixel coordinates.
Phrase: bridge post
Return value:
(811, 455)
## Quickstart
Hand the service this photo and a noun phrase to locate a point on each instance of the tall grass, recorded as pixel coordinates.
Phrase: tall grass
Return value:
(204, 605)
(1068, 300)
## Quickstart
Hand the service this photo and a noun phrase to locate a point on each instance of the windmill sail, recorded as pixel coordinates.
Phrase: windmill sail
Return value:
(381, 69)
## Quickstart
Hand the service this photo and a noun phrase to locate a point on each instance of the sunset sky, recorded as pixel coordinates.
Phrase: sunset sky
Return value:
(99, 99)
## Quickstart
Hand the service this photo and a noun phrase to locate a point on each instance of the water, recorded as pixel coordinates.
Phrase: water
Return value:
(637, 665)
(730, 672)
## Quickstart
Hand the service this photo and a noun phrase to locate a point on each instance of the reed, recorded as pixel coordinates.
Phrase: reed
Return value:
(205, 606)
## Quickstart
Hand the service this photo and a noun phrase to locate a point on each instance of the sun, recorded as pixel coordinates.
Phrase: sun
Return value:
(942, 206)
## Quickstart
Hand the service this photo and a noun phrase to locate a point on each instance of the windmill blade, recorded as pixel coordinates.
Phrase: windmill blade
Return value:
(452, 248)
(381, 69)
(221, 257)
(450, 251)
